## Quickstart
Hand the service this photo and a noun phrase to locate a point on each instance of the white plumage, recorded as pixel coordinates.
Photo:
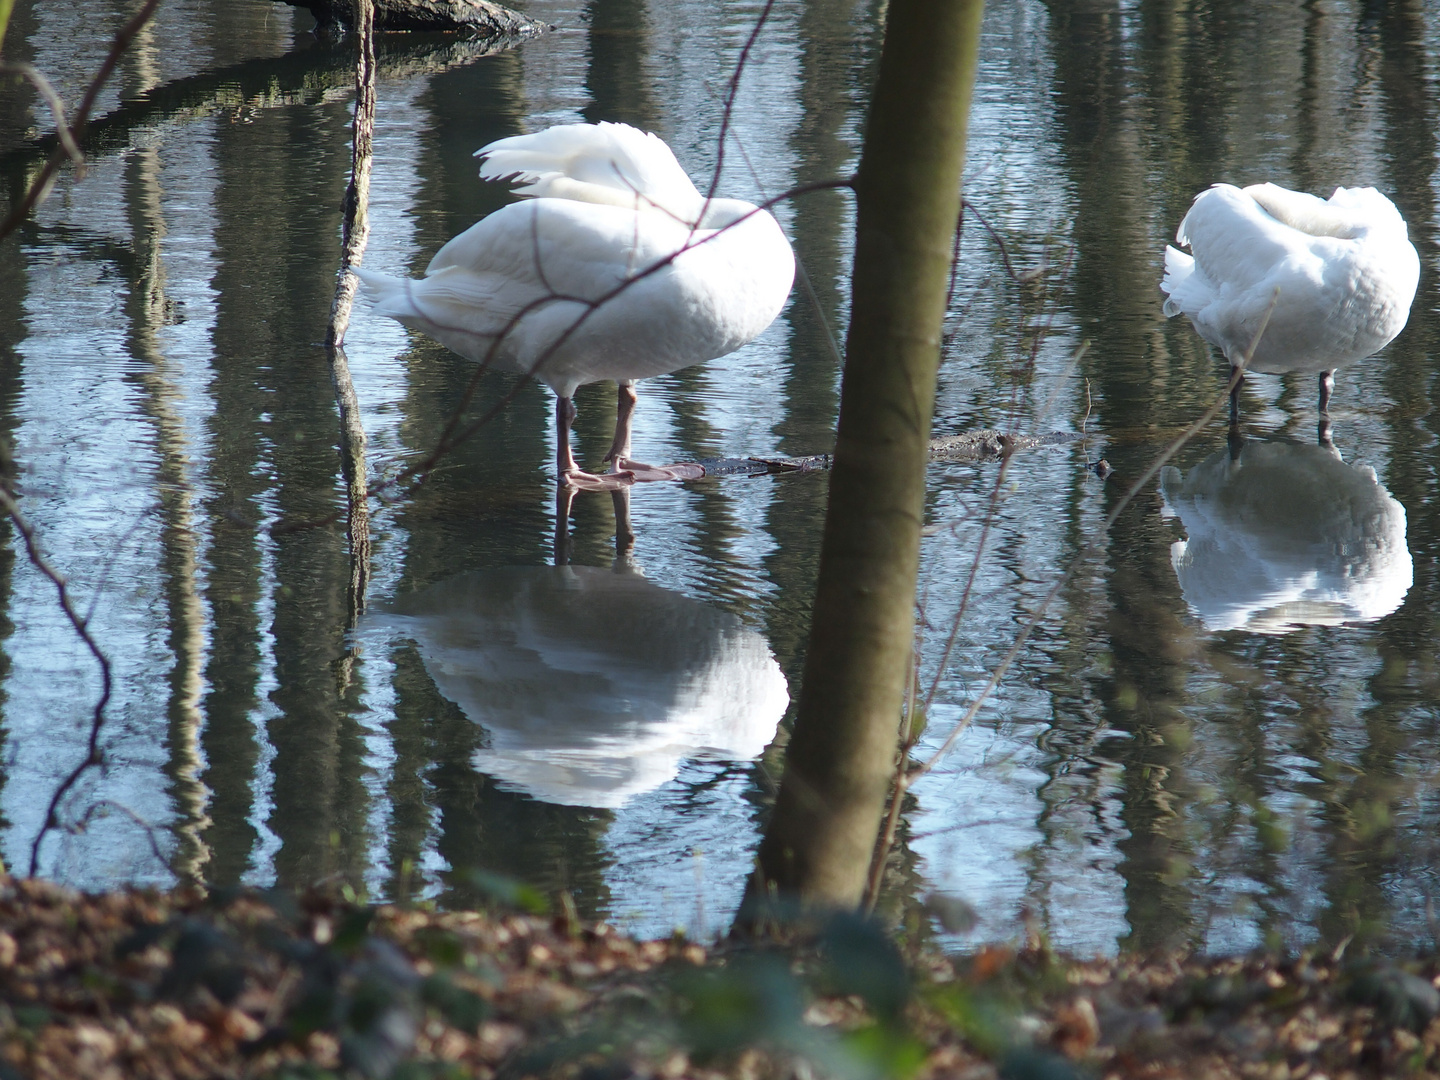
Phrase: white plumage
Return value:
(1282, 535)
(1283, 281)
(616, 267)
(593, 685)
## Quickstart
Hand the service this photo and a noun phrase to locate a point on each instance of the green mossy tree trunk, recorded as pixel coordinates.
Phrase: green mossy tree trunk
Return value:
(842, 754)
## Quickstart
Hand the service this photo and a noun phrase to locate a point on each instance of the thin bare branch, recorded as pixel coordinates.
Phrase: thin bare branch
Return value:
(40, 186)
(1093, 547)
(93, 756)
(57, 108)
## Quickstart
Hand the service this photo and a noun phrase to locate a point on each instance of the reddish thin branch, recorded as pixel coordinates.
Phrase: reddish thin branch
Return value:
(82, 631)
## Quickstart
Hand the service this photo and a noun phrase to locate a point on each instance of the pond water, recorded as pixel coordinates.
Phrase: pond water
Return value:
(1221, 732)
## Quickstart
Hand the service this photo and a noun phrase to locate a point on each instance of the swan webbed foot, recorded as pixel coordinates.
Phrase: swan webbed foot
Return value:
(581, 480)
(685, 470)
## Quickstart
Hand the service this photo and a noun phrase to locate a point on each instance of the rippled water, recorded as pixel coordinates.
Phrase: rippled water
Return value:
(1167, 759)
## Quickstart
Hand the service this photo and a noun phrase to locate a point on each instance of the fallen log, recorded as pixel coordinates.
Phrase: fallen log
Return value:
(475, 16)
(985, 445)
(306, 76)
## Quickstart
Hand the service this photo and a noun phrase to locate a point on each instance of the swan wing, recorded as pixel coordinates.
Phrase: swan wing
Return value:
(532, 273)
(1235, 242)
(1293, 282)
(613, 164)
(557, 246)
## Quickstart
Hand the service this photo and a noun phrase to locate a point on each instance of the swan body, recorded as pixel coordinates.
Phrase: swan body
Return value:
(592, 685)
(1283, 281)
(1283, 535)
(614, 267)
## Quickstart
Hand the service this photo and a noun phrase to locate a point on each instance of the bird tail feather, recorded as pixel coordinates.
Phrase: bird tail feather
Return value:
(614, 164)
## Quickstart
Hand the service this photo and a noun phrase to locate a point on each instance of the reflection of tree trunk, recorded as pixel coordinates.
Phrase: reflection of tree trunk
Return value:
(1377, 812)
(619, 39)
(14, 286)
(842, 752)
(148, 311)
(1115, 286)
(829, 62)
(179, 539)
(457, 814)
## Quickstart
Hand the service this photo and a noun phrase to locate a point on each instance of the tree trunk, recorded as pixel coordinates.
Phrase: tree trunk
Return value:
(842, 754)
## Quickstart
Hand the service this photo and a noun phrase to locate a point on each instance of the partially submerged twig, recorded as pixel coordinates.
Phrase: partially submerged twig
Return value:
(354, 235)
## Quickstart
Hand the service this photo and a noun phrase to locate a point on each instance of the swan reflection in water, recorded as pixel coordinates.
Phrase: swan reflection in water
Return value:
(593, 684)
(1284, 535)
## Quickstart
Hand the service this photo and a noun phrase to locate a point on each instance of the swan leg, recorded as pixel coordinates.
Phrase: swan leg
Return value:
(624, 534)
(619, 455)
(1237, 380)
(571, 475)
(624, 411)
(1327, 387)
(1235, 442)
(564, 502)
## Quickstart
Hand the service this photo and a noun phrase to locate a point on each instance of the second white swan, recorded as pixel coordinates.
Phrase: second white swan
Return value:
(1284, 281)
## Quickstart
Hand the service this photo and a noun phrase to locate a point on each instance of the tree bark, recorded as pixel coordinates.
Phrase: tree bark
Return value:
(842, 755)
(479, 16)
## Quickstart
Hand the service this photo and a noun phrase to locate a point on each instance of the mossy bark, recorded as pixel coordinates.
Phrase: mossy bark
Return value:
(842, 755)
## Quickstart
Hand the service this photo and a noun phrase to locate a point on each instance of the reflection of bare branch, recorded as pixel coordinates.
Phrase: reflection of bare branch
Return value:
(965, 204)
(82, 631)
(40, 186)
(148, 827)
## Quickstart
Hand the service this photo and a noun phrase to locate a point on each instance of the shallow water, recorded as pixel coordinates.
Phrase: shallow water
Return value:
(1153, 769)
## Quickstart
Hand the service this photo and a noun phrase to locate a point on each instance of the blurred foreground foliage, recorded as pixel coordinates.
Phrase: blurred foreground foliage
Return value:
(269, 984)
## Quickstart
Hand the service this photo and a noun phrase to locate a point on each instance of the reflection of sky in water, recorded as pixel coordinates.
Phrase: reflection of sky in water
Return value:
(1122, 773)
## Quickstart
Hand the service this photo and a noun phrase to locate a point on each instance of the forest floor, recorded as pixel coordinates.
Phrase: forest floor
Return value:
(249, 984)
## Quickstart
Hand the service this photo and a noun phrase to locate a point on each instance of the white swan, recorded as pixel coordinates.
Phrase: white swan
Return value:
(1284, 281)
(616, 268)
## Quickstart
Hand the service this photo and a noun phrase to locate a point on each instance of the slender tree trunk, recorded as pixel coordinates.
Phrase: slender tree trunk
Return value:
(842, 755)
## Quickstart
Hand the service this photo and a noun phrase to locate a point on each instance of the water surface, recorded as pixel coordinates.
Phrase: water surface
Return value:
(1146, 775)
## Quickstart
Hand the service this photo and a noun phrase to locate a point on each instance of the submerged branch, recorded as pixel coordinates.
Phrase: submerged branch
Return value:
(355, 232)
